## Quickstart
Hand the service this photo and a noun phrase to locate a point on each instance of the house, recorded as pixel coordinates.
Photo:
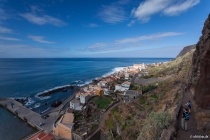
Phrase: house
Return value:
(74, 103)
(107, 91)
(42, 136)
(69, 110)
(131, 94)
(137, 66)
(63, 128)
(127, 75)
(92, 87)
(126, 84)
(77, 95)
(84, 98)
(120, 88)
(99, 91)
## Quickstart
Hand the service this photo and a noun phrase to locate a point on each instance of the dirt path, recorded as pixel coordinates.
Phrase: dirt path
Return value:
(192, 124)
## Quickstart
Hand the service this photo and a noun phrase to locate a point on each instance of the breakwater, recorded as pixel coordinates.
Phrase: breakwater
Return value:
(54, 90)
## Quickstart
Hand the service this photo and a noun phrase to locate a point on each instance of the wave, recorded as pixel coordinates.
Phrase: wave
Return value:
(113, 71)
(44, 98)
(30, 102)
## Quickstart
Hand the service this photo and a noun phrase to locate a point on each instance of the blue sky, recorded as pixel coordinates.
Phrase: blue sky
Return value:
(99, 28)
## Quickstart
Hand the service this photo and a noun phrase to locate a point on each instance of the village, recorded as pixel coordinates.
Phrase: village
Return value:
(85, 112)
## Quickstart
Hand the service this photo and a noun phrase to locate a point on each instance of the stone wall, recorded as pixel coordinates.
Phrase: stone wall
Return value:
(171, 132)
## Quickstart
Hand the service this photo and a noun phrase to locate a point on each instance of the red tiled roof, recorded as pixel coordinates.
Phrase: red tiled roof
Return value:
(42, 136)
(69, 110)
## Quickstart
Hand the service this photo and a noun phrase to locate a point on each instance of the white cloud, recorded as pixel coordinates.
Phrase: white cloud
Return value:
(97, 45)
(9, 38)
(93, 25)
(148, 8)
(130, 43)
(40, 39)
(181, 7)
(131, 23)
(112, 13)
(41, 20)
(148, 37)
(3, 15)
(5, 30)
(35, 9)
(169, 7)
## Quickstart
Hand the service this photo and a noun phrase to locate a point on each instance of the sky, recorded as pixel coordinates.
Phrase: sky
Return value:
(99, 28)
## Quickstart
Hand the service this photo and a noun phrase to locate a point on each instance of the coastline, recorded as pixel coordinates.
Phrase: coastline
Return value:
(46, 94)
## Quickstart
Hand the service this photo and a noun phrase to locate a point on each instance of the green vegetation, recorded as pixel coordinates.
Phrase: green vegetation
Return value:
(78, 115)
(94, 126)
(102, 103)
(109, 124)
(115, 109)
(142, 100)
(156, 122)
(148, 88)
(134, 87)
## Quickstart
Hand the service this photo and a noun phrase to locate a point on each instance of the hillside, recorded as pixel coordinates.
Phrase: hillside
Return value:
(185, 50)
(131, 120)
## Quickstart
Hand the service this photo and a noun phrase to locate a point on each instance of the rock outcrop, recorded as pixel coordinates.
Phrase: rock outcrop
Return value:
(200, 72)
(186, 50)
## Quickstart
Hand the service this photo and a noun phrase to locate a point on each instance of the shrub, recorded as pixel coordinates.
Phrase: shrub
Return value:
(115, 109)
(128, 117)
(132, 122)
(123, 124)
(142, 100)
(156, 122)
(109, 124)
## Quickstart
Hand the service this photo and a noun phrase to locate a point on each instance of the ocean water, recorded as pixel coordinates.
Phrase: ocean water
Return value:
(12, 128)
(27, 77)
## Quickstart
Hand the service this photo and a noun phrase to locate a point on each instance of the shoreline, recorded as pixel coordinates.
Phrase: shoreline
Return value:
(47, 93)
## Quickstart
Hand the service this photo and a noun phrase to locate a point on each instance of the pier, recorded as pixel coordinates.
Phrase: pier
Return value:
(29, 116)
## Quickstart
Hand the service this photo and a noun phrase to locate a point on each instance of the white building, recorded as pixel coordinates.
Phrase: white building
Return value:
(143, 66)
(126, 75)
(107, 91)
(126, 84)
(120, 88)
(74, 103)
(84, 98)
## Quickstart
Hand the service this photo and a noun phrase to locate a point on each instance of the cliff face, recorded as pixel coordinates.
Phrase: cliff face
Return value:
(200, 72)
(186, 50)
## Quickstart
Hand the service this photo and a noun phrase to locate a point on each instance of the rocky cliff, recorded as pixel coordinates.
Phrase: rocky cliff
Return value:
(186, 50)
(200, 72)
